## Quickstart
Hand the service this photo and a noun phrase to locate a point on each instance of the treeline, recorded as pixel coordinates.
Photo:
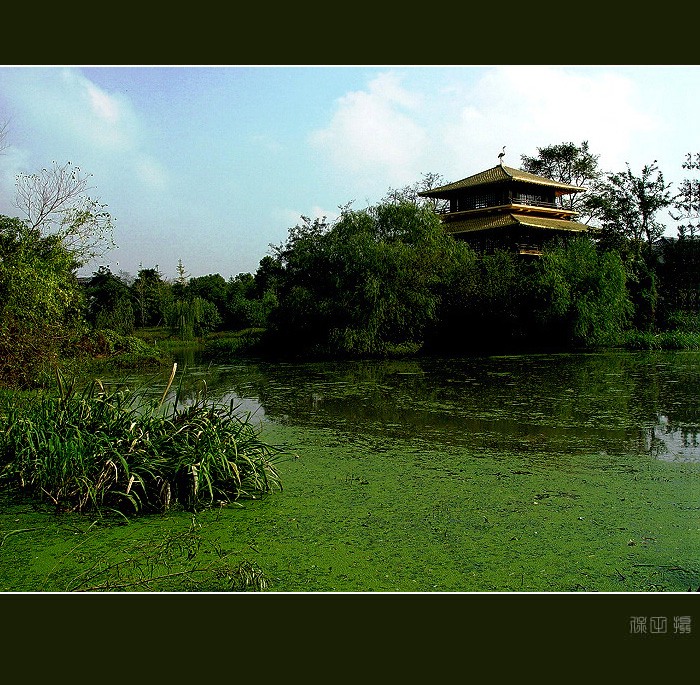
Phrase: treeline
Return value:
(389, 280)
(384, 280)
(187, 307)
(380, 281)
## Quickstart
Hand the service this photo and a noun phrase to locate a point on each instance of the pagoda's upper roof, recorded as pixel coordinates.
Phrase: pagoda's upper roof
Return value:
(500, 174)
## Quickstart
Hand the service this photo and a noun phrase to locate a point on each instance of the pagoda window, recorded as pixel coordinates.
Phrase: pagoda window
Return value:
(479, 201)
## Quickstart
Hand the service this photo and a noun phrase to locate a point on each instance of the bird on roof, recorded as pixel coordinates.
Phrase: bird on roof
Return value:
(502, 155)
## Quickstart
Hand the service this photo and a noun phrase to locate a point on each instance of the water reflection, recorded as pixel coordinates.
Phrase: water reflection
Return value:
(674, 443)
(645, 402)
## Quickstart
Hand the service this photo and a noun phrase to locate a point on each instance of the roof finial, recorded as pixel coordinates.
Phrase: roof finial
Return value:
(502, 155)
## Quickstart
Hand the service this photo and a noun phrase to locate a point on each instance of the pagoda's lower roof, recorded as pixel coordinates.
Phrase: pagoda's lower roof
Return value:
(501, 221)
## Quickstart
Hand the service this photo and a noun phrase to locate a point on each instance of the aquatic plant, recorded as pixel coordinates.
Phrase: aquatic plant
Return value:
(95, 448)
(177, 562)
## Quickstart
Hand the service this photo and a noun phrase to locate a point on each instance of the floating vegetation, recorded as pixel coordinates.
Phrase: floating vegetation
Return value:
(185, 561)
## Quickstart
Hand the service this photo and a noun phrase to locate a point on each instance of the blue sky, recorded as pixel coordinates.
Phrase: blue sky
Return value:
(211, 165)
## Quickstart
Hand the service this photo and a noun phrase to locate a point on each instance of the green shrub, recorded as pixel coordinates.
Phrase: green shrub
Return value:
(685, 321)
(125, 351)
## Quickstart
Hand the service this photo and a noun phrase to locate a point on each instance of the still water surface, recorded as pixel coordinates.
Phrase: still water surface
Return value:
(595, 403)
(566, 472)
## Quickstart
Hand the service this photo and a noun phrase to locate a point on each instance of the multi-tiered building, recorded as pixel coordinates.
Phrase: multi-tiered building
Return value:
(506, 208)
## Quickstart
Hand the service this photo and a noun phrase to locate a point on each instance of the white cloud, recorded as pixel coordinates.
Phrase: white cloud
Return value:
(62, 115)
(387, 135)
(535, 106)
(86, 113)
(150, 172)
(103, 105)
(372, 133)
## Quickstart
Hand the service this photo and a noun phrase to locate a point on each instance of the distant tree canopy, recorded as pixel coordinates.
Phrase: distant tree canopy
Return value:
(153, 297)
(109, 303)
(41, 307)
(378, 281)
(628, 206)
(571, 164)
(410, 193)
(364, 285)
(686, 203)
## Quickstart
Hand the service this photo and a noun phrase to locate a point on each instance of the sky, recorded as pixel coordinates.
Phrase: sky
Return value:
(211, 165)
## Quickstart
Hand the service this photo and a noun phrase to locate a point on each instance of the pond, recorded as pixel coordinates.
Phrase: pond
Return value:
(567, 403)
(522, 473)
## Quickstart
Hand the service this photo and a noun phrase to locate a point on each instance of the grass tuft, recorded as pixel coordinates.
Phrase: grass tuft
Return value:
(121, 450)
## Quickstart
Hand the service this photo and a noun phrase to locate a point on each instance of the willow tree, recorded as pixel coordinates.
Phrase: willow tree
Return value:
(580, 295)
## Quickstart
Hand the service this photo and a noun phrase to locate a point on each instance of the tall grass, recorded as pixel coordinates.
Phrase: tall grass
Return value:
(662, 340)
(92, 449)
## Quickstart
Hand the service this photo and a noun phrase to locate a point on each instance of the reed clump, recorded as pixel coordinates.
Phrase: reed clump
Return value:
(95, 449)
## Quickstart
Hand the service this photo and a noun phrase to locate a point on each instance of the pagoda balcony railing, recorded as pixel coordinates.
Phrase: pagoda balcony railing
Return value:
(529, 249)
(445, 208)
(534, 203)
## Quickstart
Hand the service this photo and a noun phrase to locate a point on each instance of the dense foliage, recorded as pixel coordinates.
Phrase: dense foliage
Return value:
(389, 279)
(40, 301)
(366, 285)
(571, 164)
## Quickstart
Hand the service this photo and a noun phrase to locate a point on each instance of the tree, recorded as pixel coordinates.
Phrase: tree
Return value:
(109, 302)
(687, 201)
(570, 164)
(193, 317)
(410, 193)
(678, 268)
(40, 301)
(581, 295)
(367, 284)
(267, 276)
(181, 281)
(628, 205)
(678, 272)
(153, 297)
(55, 202)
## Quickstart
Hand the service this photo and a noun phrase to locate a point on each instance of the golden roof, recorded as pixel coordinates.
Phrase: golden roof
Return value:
(501, 174)
(486, 223)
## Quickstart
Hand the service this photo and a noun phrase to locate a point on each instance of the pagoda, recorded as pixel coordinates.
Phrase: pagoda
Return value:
(506, 208)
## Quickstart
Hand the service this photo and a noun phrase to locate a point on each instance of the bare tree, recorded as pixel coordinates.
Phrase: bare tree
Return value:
(3, 135)
(55, 201)
(412, 193)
